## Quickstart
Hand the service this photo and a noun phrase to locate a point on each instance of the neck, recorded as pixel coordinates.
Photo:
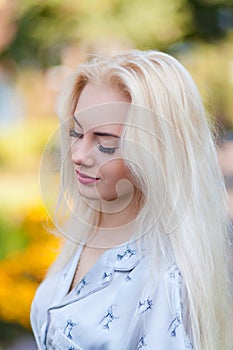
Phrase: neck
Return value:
(115, 227)
(120, 212)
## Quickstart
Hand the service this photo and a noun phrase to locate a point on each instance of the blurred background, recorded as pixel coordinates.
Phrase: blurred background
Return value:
(41, 43)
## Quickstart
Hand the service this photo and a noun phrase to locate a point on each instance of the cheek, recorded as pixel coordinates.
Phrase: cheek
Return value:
(116, 181)
(114, 170)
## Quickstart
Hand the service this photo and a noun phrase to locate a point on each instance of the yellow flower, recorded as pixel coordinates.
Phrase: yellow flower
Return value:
(21, 272)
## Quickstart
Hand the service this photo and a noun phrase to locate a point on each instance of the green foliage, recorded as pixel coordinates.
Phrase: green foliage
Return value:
(9, 332)
(211, 19)
(211, 67)
(12, 236)
(23, 144)
(145, 23)
(45, 27)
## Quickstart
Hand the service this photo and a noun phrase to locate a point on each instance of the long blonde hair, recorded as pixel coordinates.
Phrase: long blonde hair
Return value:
(185, 208)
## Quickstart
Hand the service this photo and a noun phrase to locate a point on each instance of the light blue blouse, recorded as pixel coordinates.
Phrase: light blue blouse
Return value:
(116, 306)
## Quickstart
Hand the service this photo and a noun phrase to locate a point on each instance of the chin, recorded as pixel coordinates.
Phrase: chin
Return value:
(91, 196)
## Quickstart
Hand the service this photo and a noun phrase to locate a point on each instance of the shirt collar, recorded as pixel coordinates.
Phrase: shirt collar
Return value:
(120, 258)
(127, 257)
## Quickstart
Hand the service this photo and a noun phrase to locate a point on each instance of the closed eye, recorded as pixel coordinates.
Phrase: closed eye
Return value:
(109, 150)
(77, 135)
(74, 133)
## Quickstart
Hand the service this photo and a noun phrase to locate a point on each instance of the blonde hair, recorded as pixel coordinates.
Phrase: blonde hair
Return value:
(185, 209)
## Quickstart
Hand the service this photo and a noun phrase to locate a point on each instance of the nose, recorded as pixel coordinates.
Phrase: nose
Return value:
(82, 153)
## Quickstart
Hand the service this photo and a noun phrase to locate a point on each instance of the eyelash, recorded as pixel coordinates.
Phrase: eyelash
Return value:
(101, 148)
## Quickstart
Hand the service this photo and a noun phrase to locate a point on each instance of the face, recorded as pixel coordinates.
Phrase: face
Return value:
(95, 143)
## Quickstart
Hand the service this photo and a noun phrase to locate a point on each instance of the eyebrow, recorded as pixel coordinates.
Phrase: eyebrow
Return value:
(97, 133)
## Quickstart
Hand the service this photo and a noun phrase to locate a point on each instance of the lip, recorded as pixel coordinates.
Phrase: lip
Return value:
(85, 179)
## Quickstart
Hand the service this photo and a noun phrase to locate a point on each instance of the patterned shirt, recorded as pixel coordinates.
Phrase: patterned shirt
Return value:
(116, 306)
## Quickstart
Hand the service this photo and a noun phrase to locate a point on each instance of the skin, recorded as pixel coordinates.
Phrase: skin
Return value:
(86, 155)
(103, 109)
(115, 189)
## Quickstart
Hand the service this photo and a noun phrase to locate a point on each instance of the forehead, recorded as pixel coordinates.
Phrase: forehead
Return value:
(101, 106)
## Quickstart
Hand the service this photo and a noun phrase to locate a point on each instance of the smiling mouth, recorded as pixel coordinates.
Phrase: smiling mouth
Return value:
(86, 176)
(85, 179)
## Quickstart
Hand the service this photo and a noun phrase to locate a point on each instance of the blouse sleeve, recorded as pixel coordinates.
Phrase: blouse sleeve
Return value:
(162, 315)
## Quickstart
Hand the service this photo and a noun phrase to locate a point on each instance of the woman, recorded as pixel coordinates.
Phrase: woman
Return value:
(143, 208)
